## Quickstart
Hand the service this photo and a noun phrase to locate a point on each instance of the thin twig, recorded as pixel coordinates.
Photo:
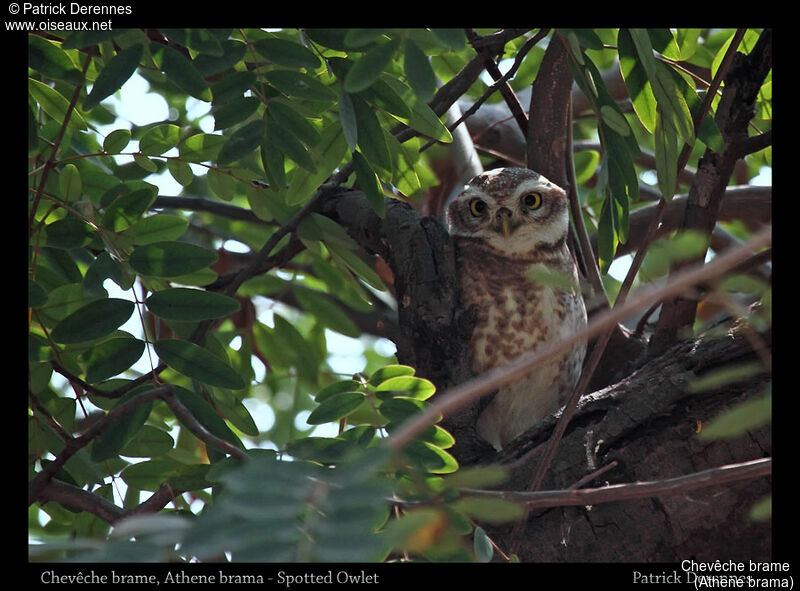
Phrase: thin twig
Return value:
(501, 82)
(523, 51)
(634, 490)
(74, 445)
(51, 162)
(187, 418)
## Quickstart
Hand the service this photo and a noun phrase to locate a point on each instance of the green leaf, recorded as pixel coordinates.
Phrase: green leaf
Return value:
(761, 510)
(286, 53)
(202, 147)
(54, 104)
(93, 321)
(112, 357)
(297, 84)
(489, 510)
(180, 171)
(241, 142)
(606, 236)
(400, 408)
(585, 165)
(409, 386)
(368, 182)
(615, 120)
(283, 113)
(477, 477)
(274, 169)
(299, 352)
(360, 37)
(144, 162)
(109, 442)
(49, 59)
(239, 416)
(115, 73)
(326, 311)
(739, 419)
(127, 210)
(389, 371)
(205, 41)
(207, 416)
(335, 407)
(425, 121)
(671, 94)
(150, 474)
(370, 136)
(387, 93)
(116, 141)
(430, 457)
(666, 155)
(726, 375)
(69, 232)
(666, 92)
(222, 184)
(685, 44)
(337, 388)
(482, 545)
(347, 117)
(149, 442)
(356, 265)
(325, 450)
(191, 305)
(105, 267)
(209, 65)
(196, 362)
(170, 259)
(158, 228)
(159, 139)
(287, 142)
(419, 72)
(69, 183)
(37, 296)
(233, 84)
(235, 111)
(639, 88)
(366, 70)
(453, 38)
(182, 72)
(328, 154)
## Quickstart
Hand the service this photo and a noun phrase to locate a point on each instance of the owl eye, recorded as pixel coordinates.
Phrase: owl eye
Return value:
(477, 207)
(532, 200)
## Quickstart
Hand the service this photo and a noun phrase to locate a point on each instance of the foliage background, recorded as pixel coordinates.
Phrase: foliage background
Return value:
(237, 284)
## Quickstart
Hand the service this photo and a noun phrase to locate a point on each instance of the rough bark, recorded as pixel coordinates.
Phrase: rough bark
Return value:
(647, 423)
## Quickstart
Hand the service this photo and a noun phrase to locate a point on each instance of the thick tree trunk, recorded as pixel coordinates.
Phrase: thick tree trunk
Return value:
(647, 423)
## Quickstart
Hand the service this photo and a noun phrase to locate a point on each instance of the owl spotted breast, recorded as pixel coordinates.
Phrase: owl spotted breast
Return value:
(509, 227)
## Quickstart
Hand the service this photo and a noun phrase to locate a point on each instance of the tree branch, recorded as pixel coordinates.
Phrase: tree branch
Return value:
(501, 82)
(75, 444)
(209, 205)
(734, 113)
(749, 203)
(727, 474)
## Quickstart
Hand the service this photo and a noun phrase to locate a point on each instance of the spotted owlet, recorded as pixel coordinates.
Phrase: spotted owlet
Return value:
(509, 227)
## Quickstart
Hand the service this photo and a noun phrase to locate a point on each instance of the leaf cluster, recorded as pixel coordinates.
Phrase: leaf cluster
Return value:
(129, 293)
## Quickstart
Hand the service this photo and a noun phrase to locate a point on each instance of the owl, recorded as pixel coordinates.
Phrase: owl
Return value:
(509, 228)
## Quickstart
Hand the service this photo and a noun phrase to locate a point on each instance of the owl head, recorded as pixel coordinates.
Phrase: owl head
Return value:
(512, 210)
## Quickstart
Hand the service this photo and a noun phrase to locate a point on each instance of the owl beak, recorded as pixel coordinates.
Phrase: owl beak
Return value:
(503, 221)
